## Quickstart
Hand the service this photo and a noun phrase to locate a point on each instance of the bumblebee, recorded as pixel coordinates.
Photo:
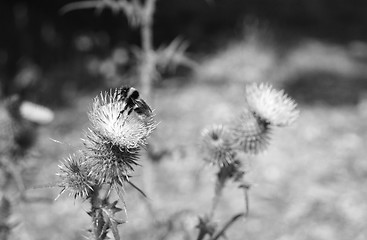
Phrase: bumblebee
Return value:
(132, 102)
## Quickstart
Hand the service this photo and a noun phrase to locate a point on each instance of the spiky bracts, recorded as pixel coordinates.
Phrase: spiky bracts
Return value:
(108, 162)
(104, 218)
(73, 174)
(249, 133)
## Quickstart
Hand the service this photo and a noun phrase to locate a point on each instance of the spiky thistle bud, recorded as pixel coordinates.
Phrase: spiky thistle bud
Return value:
(250, 133)
(270, 105)
(107, 161)
(216, 146)
(73, 174)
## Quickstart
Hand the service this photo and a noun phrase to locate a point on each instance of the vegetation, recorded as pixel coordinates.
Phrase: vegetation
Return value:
(213, 160)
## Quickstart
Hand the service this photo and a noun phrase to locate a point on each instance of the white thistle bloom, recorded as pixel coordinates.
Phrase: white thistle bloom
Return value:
(271, 105)
(126, 131)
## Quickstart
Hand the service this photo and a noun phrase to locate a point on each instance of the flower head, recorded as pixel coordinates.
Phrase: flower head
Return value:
(74, 177)
(270, 105)
(215, 145)
(108, 162)
(126, 131)
(250, 133)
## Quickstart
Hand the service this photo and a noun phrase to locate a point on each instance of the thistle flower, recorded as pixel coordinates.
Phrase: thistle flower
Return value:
(270, 105)
(250, 133)
(126, 131)
(216, 147)
(108, 162)
(74, 176)
(114, 141)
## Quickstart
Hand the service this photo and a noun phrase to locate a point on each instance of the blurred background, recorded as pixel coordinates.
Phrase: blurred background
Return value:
(310, 184)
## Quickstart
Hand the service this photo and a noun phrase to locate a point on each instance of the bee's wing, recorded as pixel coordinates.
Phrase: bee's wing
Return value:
(143, 107)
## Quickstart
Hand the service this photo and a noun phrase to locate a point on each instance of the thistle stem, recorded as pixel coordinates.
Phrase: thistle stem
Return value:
(247, 202)
(201, 234)
(218, 194)
(228, 225)
(203, 229)
(96, 213)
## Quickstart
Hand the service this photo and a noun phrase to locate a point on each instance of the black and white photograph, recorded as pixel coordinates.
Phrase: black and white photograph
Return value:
(183, 120)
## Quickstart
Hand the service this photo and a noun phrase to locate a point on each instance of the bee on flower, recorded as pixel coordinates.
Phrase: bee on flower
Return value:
(117, 134)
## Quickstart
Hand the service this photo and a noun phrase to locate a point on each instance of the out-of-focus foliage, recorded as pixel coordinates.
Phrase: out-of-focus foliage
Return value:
(59, 44)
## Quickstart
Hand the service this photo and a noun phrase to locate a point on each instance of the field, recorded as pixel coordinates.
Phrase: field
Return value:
(309, 184)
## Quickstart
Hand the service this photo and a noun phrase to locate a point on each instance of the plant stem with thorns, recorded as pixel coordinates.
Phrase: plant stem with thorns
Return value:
(97, 218)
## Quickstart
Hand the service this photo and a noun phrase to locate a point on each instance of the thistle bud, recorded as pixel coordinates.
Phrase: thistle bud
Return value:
(107, 161)
(74, 177)
(216, 146)
(249, 133)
